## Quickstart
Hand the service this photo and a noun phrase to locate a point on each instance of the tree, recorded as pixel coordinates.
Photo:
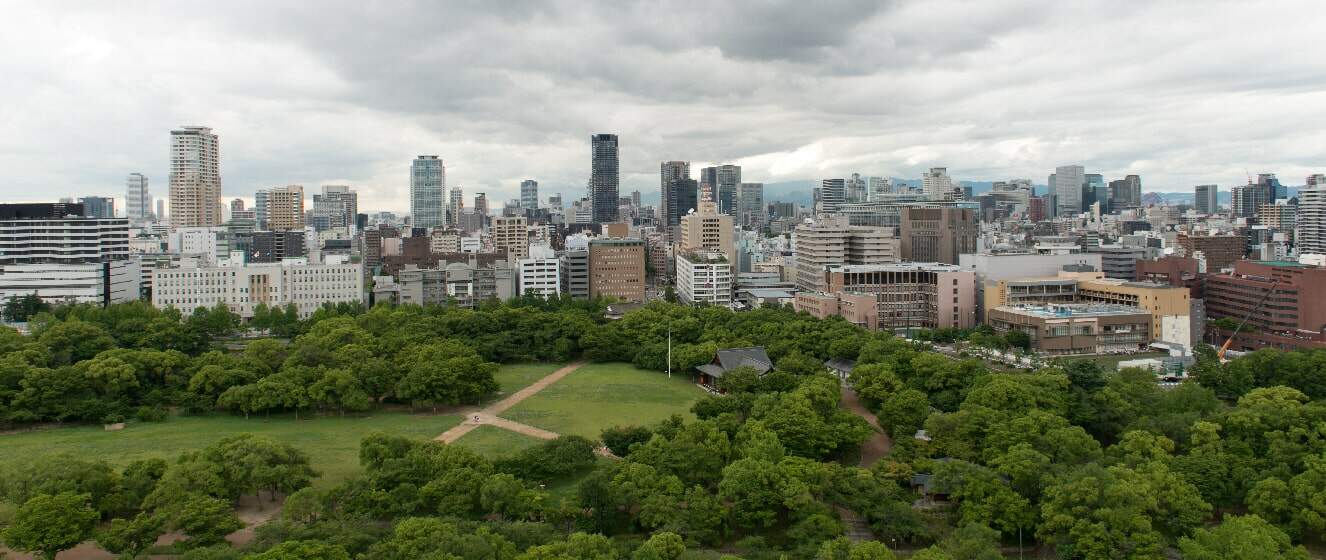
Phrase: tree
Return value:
(904, 412)
(204, 519)
(18, 309)
(74, 341)
(578, 546)
(661, 546)
(129, 537)
(760, 492)
(250, 464)
(47, 524)
(302, 550)
(619, 439)
(1245, 537)
(842, 548)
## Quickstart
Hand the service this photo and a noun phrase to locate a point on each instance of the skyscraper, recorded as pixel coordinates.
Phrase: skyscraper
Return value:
(529, 194)
(680, 195)
(723, 179)
(1312, 220)
(604, 177)
(1066, 188)
(1094, 190)
(480, 204)
(1206, 199)
(1134, 186)
(161, 209)
(336, 207)
(428, 180)
(832, 194)
(455, 204)
(98, 206)
(137, 199)
(285, 208)
(195, 178)
(856, 189)
(936, 183)
(237, 204)
(878, 186)
(750, 204)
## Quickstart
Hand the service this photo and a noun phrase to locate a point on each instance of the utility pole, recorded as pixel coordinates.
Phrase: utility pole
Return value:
(669, 351)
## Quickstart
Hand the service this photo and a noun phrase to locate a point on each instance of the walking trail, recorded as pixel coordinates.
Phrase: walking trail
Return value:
(489, 415)
(879, 444)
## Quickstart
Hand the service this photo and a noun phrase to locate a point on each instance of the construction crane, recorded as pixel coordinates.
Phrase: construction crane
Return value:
(1220, 354)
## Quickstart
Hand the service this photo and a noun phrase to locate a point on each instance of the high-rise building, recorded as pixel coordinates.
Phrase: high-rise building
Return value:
(1066, 189)
(750, 205)
(284, 207)
(833, 193)
(669, 171)
(455, 204)
(1315, 180)
(510, 233)
(1133, 184)
(604, 177)
(617, 269)
(336, 207)
(706, 230)
(529, 195)
(237, 205)
(98, 206)
(428, 182)
(1246, 199)
(936, 183)
(878, 187)
(704, 278)
(1311, 220)
(161, 209)
(1206, 202)
(480, 204)
(938, 234)
(1094, 191)
(723, 179)
(58, 253)
(680, 197)
(540, 273)
(137, 198)
(856, 189)
(195, 178)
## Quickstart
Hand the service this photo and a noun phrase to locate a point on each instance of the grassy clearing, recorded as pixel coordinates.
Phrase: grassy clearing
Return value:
(331, 442)
(493, 442)
(598, 396)
(514, 377)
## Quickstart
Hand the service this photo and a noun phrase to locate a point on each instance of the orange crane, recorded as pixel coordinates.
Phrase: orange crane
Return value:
(1220, 354)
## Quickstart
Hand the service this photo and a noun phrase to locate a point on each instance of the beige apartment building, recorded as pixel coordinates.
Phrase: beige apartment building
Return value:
(510, 233)
(896, 297)
(285, 208)
(707, 230)
(832, 241)
(617, 269)
(195, 178)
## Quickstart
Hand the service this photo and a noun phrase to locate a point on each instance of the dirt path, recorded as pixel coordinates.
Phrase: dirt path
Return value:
(489, 415)
(879, 444)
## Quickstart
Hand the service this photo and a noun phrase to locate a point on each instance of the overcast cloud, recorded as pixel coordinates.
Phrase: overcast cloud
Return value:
(316, 93)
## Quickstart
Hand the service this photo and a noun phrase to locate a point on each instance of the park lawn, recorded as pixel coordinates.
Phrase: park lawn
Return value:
(599, 396)
(514, 377)
(494, 442)
(332, 442)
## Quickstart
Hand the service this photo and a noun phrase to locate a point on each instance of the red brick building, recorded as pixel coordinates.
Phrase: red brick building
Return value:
(1292, 317)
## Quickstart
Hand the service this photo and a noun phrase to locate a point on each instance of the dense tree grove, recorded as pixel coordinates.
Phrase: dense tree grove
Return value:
(1085, 463)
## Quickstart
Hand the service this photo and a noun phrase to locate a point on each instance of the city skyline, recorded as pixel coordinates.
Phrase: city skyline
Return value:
(798, 93)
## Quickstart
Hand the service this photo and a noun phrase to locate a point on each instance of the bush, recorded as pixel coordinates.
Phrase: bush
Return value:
(551, 459)
(151, 414)
(112, 418)
(618, 439)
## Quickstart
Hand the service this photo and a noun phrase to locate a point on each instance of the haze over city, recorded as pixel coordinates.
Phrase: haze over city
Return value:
(1182, 93)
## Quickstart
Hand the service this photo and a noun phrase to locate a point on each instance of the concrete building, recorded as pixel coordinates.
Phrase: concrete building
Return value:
(98, 206)
(277, 246)
(540, 273)
(137, 198)
(681, 195)
(1119, 262)
(1311, 220)
(899, 296)
(936, 183)
(707, 230)
(428, 180)
(833, 193)
(617, 269)
(993, 267)
(1170, 307)
(704, 278)
(529, 194)
(604, 177)
(723, 179)
(284, 208)
(510, 234)
(1076, 329)
(855, 189)
(335, 208)
(833, 241)
(1217, 251)
(243, 287)
(58, 254)
(750, 205)
(464, 283)
(195, 178)
(1292, 317)
(1206, 201)
(575, 267)
(1066, 189)
(444, 241)
(938, 234)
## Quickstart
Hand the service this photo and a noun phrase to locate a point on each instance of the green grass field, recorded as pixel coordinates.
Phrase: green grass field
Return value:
(493, 442)
(598, 396)
(514, 377)
(332, 443)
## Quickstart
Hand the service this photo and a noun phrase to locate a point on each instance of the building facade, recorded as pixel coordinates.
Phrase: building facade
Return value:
(510, 234)
(285, 208)
(1206, 201)
(428, 182)
(707, 230)
(704, 278)
(833, 241)
(938, 234)
(604, 177)
(723, 179)
(617, 269)
(195, 178)
(1077, 328)
(243, 288)
(60, 255)
(137, 198)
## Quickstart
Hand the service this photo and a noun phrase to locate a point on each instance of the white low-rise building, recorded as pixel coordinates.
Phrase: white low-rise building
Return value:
(54, 252)
(243, 287)
(704, 278)
(540, 273)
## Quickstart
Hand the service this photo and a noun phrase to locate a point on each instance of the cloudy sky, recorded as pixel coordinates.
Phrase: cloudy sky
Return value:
(325, 92)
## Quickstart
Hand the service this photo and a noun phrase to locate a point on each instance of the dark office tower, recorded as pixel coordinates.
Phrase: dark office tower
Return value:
(723, 179)
(1119, 197)
(1134, 184)
(604, 177)
(1272, 187)
(680, 197)
(1206, 199)
(667, 172)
